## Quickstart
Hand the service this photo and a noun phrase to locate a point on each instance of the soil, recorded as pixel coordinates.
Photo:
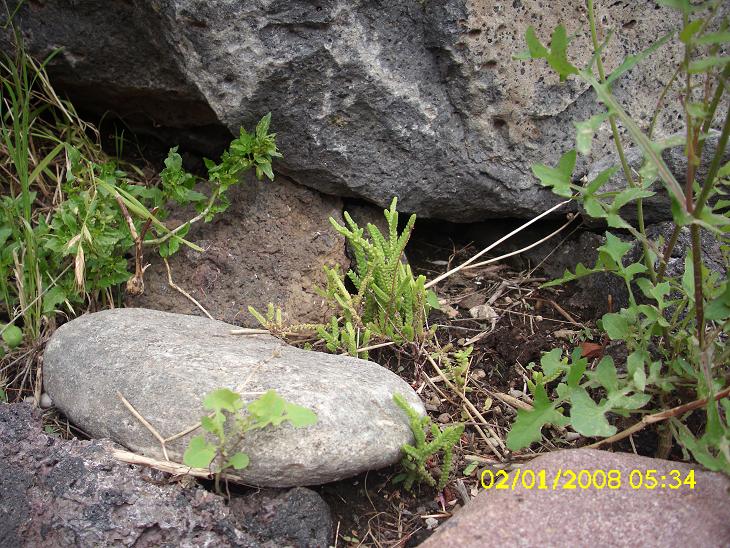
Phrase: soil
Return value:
(515, 322)
(370, 509)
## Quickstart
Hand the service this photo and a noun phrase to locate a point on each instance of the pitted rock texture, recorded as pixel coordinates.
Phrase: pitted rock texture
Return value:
(421, 100)
(164, 364)
(270, 246)
(56, 492)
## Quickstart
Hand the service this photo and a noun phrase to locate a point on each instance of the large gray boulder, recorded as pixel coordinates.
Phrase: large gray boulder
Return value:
(417, 99)
(164, 364)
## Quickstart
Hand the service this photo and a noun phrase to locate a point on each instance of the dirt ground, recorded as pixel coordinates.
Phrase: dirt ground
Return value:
(515, 322)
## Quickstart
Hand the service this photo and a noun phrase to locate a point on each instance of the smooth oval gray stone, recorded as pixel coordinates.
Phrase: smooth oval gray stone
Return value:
(164, 364)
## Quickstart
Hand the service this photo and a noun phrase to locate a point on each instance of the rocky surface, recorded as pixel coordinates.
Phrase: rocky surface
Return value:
(56, 492)
(591, 517)
(372, 99)
(270, 246)
(164, 364)
(294, 517)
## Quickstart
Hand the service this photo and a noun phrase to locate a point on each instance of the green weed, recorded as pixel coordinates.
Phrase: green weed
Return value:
(227, 426)
(415, 458)
(675, 329)
(70, 216)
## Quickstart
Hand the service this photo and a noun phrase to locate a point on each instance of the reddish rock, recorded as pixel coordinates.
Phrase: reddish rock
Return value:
(592, 517)
(269, 246)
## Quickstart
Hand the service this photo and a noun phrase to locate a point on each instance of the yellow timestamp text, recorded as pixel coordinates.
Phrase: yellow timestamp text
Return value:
(587, 479)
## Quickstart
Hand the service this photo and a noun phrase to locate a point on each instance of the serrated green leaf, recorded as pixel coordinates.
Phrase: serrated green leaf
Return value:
(615, 247)
(214, 424)
(616, 326)
(535, 48)
(635, 367)
(53, 297)
(268, 409)
(585, 131)
(606, 374)
(552, 363)
(199, 453)
(299, 416)
(719, 308)
(560, 177)
(558, 56)
(528, 426)
(587, 417)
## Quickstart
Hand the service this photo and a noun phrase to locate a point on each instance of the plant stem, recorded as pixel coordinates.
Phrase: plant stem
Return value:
(661, 416)
(619, 146)
(714, 166)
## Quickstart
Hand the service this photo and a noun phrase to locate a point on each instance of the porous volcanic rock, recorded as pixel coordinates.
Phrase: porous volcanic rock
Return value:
(56, 492)
(418, 99)
(164, 364)
(270, 246)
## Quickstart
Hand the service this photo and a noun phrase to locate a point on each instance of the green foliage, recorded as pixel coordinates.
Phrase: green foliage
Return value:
(274, 322)
(622, 394)
(456, 365)
(416, 457)
(390, 303)
(66, 206)
(226, 426)
(675, 328)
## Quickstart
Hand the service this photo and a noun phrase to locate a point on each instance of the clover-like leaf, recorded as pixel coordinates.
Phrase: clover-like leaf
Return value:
(12, 335)
(239, 461)
(223, 399)
(267, 409)
(199, 453)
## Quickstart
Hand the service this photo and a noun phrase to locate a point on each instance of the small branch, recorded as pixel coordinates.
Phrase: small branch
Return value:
(198, 217)
(181, 290)
(170, 467)
(526, 248)
(145, 423)
(661, 416)
(374, 346)
(495, 244)
(473, 410)
(249, 331)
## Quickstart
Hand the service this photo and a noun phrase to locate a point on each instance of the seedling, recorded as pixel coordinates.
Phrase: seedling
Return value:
(227, 426)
